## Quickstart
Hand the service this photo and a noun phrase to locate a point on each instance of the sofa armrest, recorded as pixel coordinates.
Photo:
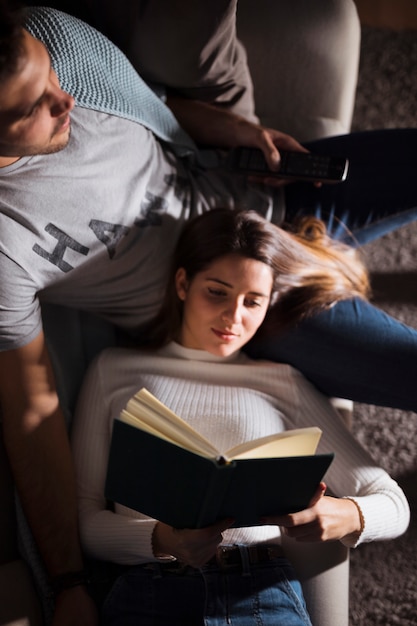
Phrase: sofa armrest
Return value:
(304, 59)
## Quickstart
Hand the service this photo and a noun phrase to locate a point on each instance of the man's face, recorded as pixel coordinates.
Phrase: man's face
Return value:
(34, 111)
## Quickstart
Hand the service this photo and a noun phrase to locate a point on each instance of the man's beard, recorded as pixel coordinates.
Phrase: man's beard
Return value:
(51, 149)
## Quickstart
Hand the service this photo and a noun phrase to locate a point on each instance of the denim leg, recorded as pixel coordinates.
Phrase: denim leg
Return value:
(353, 350)
(148, 597)
(380, 193)
(265, 595)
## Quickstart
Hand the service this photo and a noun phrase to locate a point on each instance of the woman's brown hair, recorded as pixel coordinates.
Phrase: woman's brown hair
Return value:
(311, 271)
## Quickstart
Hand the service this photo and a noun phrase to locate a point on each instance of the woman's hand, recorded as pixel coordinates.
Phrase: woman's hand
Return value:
(326, 519)
(192, 547)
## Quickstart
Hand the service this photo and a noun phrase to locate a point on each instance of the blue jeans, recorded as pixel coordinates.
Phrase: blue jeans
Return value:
(355, 350)
(262, 595)
(379, 194)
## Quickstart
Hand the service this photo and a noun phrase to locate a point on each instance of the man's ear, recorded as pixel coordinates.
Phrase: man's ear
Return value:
(181, 283)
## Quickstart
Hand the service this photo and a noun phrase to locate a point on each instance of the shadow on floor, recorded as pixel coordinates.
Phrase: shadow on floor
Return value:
(395, 287)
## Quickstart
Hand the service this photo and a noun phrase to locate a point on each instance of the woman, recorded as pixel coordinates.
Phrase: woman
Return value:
(231, 271)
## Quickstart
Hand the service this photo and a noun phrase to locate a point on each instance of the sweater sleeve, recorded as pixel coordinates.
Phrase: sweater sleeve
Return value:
(122, 538)
(353, 473)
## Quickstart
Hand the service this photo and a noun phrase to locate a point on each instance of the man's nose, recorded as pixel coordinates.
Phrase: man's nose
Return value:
(63, 104)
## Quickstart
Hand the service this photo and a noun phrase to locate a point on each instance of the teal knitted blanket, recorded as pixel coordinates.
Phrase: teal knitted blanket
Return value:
(100, 77)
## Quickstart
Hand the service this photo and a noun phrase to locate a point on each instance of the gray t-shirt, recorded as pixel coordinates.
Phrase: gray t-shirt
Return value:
(84, 226)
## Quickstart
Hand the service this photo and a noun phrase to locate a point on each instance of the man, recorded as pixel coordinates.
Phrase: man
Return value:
(96, 181)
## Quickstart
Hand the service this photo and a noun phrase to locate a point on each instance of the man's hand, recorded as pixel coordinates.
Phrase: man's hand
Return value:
(74, 607)
(212, 126)
(192, 547)
(271, 141)
(326, 519)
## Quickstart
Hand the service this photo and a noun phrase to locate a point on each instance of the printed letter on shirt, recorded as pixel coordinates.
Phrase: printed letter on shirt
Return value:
(57, 255)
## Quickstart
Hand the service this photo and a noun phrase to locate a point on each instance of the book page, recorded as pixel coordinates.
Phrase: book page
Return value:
(297, 442)
(147, 412)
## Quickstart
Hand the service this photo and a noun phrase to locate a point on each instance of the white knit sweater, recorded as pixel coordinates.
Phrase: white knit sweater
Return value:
(229, 401)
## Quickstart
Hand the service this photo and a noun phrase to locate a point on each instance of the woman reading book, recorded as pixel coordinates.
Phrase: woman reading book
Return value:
(233, 275)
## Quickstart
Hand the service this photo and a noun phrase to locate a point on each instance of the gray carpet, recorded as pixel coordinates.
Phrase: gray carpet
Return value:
(384, 574)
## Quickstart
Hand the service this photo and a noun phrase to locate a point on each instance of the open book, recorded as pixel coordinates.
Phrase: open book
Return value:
(161, 466)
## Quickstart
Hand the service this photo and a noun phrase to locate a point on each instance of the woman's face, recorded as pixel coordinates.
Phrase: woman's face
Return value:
(224, 305)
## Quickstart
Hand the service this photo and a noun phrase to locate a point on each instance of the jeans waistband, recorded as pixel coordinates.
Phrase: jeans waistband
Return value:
(227, 558)
(236, 556)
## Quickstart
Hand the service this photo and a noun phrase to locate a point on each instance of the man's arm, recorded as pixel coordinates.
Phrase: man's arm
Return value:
(211, 125)
(38, 448)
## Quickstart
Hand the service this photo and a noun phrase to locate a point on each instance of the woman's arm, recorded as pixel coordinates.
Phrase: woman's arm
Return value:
(326, 519)
(127, 538)
(368, 504)
(106, 535)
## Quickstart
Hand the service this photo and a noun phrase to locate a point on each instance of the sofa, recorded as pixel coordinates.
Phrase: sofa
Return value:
(303, 57)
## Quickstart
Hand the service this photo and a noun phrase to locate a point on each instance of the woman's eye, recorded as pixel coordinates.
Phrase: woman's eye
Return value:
(252, 303)
(216, 292)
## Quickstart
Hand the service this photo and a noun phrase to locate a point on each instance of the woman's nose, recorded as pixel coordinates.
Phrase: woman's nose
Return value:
(233, 313)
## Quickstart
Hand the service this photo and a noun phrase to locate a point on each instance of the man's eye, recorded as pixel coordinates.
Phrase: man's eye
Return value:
(34, 110)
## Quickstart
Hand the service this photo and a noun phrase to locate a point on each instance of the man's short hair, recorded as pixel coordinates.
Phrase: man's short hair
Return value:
(11, 37)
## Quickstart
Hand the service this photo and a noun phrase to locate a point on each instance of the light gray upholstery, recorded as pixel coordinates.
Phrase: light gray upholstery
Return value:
(304, 58)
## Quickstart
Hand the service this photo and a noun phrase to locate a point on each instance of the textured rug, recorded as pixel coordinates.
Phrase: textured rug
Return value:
(384, 574)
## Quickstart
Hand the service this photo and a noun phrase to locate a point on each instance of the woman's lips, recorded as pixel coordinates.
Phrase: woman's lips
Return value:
(225, 335)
